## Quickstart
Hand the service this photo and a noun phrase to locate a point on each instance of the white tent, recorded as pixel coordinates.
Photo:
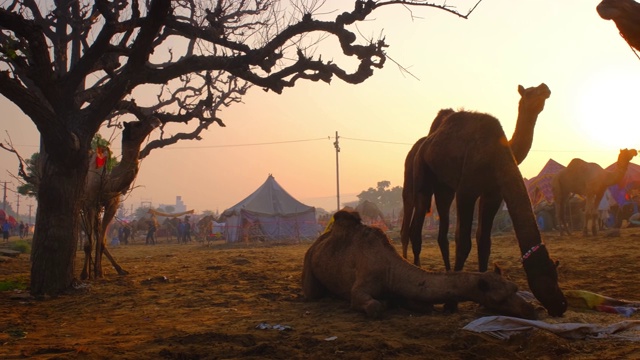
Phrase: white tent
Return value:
(269, 213)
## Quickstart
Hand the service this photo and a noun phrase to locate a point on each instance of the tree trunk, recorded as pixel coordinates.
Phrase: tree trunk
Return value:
(57, 227)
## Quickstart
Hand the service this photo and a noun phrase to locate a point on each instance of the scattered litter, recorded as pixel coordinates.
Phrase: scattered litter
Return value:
(80, 285)
(503, 327)
(155, 279)
(330, 338)
(267, 326)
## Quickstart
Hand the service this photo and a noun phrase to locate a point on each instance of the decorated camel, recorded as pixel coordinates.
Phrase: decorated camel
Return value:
(589, 180)
(204, 228)
(626, 15)
(468, 156)
(103, 192)
(417, 203)
(358, 263)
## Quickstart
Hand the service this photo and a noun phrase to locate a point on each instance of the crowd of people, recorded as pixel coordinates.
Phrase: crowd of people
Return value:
(21, 230)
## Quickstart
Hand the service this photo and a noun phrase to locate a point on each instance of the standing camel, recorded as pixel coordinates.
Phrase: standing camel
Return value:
(590, 180)
(531, 104)
(626, 15)
(468, 155)
(103, 191)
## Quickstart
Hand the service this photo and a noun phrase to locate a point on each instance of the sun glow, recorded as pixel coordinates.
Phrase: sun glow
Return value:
(608, 110)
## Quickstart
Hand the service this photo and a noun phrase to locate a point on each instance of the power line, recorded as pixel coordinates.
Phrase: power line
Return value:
(377, 141)
(249, 144)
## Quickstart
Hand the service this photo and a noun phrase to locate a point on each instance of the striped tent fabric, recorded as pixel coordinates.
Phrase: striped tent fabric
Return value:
(541, 183)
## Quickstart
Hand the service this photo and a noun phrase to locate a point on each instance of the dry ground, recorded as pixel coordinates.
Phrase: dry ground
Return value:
(199, 302)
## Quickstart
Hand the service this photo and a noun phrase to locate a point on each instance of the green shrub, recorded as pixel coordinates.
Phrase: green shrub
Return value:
(7, 285)
(21, 245)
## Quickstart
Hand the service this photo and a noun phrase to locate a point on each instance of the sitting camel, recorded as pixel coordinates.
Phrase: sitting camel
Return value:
(531, 104)
(626, 15)
(358, 263)
(589, 180)
(468, 155)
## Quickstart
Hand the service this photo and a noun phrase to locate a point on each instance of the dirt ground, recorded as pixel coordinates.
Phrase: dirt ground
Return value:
(245, 301)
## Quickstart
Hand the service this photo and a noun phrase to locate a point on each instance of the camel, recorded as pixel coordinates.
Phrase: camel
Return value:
(103, 190)
(589, 180)
(468, 156)
(531, 103)
(205, 229)
(369, 211)
(170, 225)
(626, 15)
(357, 262)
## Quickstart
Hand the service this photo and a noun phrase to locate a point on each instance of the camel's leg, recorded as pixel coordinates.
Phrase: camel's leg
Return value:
(361, 299)
(465, 204)
(487, 210)
(114, 263)
(86, 268)
(407, 204)
(444, 198)
(560, 215)
(421, 206)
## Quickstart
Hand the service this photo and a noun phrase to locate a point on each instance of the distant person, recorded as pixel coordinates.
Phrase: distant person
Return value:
(187, 230)
(6, 227)
(21, 230)
(151, 234)
(126, 232)
(181, 227)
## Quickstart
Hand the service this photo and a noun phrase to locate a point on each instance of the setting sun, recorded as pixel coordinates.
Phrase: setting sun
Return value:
(607, 109)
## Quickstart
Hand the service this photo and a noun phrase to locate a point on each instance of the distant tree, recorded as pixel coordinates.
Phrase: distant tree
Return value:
(388, 200)
(210, 212)
(141, 212)
(31, 180)
(76, 66)
(169, 209)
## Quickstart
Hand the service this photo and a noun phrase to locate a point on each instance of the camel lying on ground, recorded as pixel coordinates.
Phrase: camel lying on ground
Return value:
(358, 263)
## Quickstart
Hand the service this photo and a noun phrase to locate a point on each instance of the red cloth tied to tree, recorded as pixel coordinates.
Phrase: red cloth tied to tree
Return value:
(101, 158)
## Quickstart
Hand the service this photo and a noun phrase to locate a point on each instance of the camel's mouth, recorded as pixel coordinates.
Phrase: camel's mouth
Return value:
(606, 13)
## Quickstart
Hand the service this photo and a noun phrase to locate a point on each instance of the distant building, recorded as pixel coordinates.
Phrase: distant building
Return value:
(179, 206)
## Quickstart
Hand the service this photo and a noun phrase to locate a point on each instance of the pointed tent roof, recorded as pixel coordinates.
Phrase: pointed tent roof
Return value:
(269, 199)
(542, 181)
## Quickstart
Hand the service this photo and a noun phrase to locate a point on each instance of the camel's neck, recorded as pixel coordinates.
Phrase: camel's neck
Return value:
(125, 172)
(518, 204)
(522, 137)
(434, 287)
(614, 177)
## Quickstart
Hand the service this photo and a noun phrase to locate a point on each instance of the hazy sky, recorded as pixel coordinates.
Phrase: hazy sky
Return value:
(475, 64)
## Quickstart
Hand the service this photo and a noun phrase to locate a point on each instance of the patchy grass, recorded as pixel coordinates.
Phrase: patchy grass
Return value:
(21, 245)
(8, 285)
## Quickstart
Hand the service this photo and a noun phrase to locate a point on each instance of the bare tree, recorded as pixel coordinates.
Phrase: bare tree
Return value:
(74, 67)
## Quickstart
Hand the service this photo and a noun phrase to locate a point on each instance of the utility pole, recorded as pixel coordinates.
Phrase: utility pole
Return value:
(4, 197)
(30, 206)
(18, 205)
(336, 144)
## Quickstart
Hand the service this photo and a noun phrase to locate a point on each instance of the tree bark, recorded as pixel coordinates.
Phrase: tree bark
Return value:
(58, 225)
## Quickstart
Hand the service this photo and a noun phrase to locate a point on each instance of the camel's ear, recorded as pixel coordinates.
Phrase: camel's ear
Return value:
(497, 269)
(521, 90)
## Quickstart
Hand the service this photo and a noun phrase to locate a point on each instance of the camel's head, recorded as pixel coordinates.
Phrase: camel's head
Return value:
(615, 9)
(532, 99)
(542, 276)
(626, 155)
(501, 296)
